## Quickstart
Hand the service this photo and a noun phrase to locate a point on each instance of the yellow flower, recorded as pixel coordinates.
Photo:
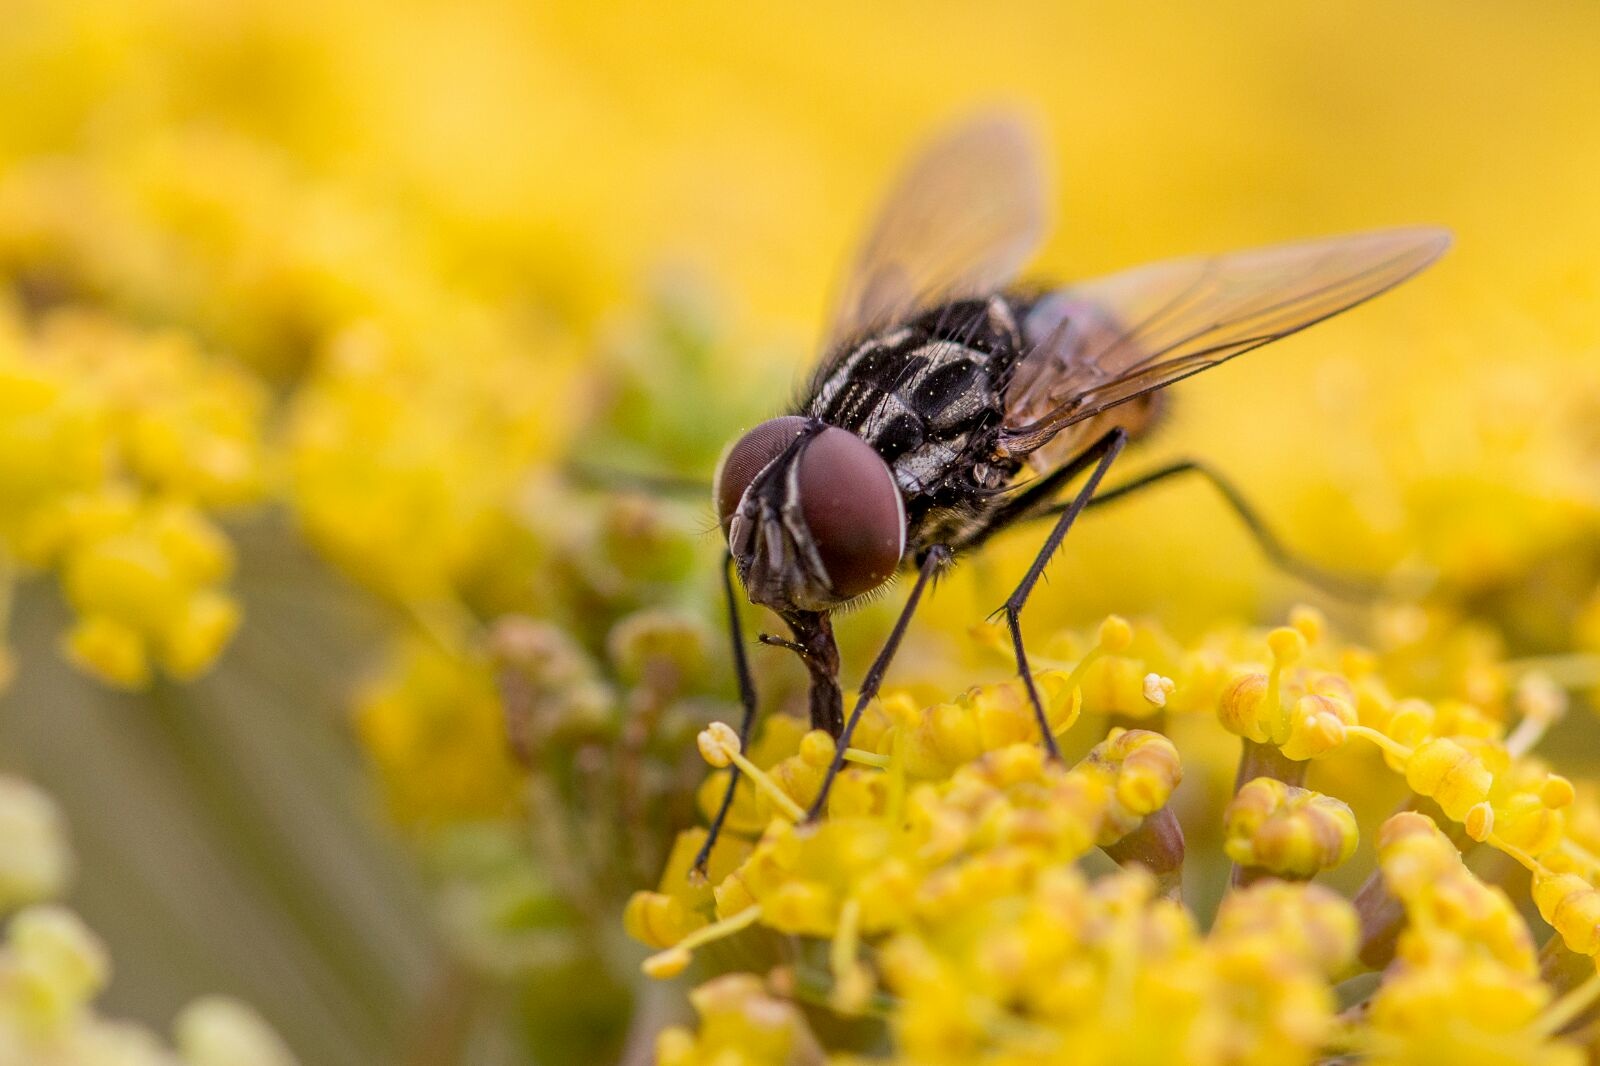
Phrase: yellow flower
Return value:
(435, 728)
(35, 863)
(219, 1031)
(955, 891)
(52, 967)
(1289, 831)
(740, 1025)
(115, 448)
(400, 255)
(406, 471)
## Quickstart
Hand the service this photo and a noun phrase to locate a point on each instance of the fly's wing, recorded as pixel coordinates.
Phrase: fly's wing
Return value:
(960, 222)
(1104, 342)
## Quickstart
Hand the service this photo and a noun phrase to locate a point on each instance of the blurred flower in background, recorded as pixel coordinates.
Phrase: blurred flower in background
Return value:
(370, 697)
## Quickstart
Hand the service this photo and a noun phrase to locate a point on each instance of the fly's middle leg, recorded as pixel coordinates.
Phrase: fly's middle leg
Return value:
(1102, 454)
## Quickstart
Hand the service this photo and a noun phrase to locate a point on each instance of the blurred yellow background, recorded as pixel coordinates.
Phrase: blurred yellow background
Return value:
(407, 230)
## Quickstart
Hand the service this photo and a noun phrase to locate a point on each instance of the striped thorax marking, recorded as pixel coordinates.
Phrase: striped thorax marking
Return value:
(926, 396)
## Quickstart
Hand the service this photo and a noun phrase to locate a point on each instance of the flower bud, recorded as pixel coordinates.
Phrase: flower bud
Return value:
(1289, 831)
(35, 863)
(58, 965)
(1243, 710)
(220, 1031)
(1572, 908)
(1115, 634)
(718, 744)
(1450, 775)
(1317, 727)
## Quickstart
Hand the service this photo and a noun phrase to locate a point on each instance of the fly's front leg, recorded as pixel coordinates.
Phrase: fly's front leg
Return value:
(932, 563)
(747, 701)
(1102, 453)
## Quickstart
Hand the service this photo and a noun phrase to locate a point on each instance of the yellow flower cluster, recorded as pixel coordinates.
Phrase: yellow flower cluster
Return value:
(403, 221)
(1465, 983)
(1292, 832)
(408, 472)
(739, 1023)
(408, 254)
(436, 734)
(52, 967)
(117, 446)
(960, 895)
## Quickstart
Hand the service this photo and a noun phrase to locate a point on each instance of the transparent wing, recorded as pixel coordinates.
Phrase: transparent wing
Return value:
(1103, 342)
(961, 221)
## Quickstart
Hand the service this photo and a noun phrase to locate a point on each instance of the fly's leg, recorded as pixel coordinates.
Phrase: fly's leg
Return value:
(747, 700)
(1343, 586)
(1102, 453)
(932, 563)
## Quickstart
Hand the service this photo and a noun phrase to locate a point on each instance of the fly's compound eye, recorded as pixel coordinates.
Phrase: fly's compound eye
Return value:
(748, 457)
(853, 510)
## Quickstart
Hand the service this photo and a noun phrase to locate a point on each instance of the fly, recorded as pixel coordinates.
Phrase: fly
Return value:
(952, 403)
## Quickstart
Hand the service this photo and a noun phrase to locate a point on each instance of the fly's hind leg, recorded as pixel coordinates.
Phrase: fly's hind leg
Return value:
(1344, 586)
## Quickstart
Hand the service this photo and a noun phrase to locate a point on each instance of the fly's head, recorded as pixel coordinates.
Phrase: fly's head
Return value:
(812, 514)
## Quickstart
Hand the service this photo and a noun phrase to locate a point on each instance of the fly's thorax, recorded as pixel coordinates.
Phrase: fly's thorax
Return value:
(926, 395)
(812, 514)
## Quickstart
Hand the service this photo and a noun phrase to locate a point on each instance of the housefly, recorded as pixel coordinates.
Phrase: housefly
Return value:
(952, 402)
